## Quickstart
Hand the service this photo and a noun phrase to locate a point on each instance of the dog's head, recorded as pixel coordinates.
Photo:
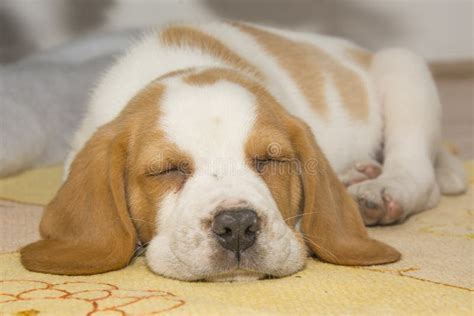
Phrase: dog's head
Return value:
(213, 174)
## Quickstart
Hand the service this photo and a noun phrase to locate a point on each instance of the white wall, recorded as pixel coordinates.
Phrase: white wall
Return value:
(437, 29)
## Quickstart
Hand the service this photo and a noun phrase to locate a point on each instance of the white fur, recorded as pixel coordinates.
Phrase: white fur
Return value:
(412, 133)
(347, 140)
(212, 123)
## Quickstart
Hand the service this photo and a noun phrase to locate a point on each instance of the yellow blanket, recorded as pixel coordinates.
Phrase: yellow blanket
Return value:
(435, 275)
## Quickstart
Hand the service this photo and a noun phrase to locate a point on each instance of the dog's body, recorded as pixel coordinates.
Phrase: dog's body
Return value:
(339, 89)
(231, 95)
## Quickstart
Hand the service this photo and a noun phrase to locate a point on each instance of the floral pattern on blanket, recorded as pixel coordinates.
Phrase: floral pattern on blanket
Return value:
(85, 298)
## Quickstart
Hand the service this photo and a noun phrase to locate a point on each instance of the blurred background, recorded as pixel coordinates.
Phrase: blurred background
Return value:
(439, 30)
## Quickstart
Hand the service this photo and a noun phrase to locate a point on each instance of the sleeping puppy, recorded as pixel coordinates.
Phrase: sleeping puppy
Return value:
(226, 148)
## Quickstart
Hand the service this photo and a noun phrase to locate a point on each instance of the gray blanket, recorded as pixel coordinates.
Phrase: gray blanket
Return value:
(43, 97)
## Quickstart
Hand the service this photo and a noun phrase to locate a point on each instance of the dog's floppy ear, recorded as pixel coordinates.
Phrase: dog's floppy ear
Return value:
(331, 221)
(86, 228)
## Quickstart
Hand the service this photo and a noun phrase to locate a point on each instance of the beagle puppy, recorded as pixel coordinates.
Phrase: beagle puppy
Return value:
(234, 150)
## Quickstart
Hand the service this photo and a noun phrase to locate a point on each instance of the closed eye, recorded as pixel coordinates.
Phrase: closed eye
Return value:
(261, 163)
(169, 170)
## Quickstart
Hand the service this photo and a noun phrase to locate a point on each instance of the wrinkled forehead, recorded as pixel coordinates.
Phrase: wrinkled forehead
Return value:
(208, 121)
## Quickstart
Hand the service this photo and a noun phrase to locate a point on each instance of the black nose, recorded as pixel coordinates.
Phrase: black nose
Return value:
(236, 229)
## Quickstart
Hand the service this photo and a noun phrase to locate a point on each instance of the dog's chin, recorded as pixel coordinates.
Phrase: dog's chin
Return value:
(220, 265)
(239, 275)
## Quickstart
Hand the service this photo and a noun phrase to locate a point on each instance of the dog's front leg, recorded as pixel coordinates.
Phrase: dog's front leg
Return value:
(412, 123)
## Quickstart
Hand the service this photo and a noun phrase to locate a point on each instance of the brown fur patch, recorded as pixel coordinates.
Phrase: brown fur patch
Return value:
(175, 73)
(187, 36)
(91, 225)
(150, 154)
(86, 228)
(331, 222)
(308, 66)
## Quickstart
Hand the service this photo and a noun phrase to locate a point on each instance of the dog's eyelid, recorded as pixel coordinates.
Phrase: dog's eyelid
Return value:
(270, 158)
(262, 162)
(167, 171)
(182, 168)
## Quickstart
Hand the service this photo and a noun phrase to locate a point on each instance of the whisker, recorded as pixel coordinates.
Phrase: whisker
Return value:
(145, 244)
(139, 250)
(321, 248)
(323, 219)
(299, 215)
(325, 251)
(312, 236)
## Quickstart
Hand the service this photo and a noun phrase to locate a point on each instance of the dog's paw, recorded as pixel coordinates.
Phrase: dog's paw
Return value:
(379, 202)
(360, 171)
